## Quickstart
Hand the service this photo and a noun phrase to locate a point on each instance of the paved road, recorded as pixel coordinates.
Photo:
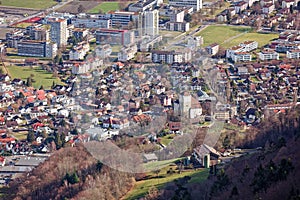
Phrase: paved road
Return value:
(53, 8)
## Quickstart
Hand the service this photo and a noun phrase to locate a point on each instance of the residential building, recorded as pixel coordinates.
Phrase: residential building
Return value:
(148, 23)
(58, 31)
(37, 49)
(122, 18)
(268, 8)
(79, 51)
(170, 57)
(212, 49)
(91, 22)
(194, 42)
(13, 37)
(293, 54)
(127, 53)
(80, 33)
(268, 54)
(240, 6)
(287, 3)
(195, 4)
(143, 5)
(249, 45)
(83, 67)
(177, 16)
(147, 43)
(103, 51)
(114, 37)
(178, 26)
(241, 56)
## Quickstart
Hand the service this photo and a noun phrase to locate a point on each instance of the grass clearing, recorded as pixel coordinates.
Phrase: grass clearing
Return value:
(40, 76)
(34, 4)
(165, 140)
(141, 188)
(159, 164)
(228, 36)
(105, 7)
(20, 135)
(22, 25)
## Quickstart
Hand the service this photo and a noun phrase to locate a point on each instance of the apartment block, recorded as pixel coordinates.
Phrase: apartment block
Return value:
(178, 26)
(114, 37)
(91, 22)
(171, 57)
(268, 54)
(37, 49)
(195, 4)
(58, 31)
(293, 54)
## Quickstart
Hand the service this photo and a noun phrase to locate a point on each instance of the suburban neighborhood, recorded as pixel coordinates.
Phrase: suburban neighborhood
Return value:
(150, 70)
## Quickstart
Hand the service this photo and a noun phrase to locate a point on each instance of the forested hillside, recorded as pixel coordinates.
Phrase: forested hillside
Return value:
(71, 173)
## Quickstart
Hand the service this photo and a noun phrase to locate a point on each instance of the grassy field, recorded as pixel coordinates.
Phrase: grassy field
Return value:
(141, 188)
(105, 7)
(20, 135)
(159, 164)
(22, 25)
(41, 77)
(228, 36)
(167, 139)
(34, 4)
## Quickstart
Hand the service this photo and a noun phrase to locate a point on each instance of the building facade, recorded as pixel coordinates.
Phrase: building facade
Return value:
(58, 31)
(195, 4)
(37, 49)
(114, 37)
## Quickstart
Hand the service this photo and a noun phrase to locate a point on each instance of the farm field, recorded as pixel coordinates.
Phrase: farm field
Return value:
(162, 178)
(40, 76)
(228, 36)
(34, 4)
(105, 7)
(73, 6)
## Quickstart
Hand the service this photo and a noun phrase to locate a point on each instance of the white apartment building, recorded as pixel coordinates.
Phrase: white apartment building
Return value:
(127, 53)
(249, 45)
(171, 57)
(58, 31)
(178, 26)
(195, 4)
(268, 54)
(79, 51)
(144, 5)
(212, 49)
(89, 22)
(293, 54)
(122, 18)
(149, 23)
(241, 56)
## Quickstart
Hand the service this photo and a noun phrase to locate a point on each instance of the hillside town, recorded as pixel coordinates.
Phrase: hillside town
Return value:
(142, 72)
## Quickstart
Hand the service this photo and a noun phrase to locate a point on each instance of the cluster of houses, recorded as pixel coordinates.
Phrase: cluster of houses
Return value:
(259, 89)
(267, 13)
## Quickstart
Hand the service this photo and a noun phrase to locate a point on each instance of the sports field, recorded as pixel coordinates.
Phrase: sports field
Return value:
(34, 4)
(228, 36)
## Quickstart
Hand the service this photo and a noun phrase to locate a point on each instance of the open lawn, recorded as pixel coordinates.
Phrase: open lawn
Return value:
(40, 76)
(141, 187)
(34, 4)
(228, 36)
(159, 164)
(105, 7)
(20, 135)
(167, 139)
(22, 25)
